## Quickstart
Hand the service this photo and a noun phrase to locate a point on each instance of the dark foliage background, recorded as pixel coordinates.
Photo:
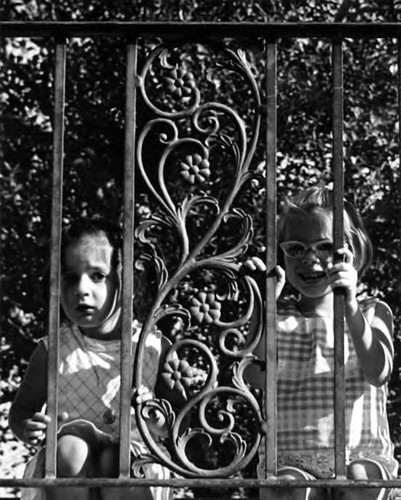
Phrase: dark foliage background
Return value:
(95, 143)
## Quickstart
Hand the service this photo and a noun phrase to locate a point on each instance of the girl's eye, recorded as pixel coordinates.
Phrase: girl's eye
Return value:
(98, 277)
(294, 249)
(325, 248)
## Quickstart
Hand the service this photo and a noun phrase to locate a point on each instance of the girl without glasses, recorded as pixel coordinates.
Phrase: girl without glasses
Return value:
(89, 373)
(305, 343)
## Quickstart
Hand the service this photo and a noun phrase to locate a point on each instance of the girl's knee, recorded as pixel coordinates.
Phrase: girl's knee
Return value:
(365, 469)
(73, 457)
(289, 472)
(293, 473)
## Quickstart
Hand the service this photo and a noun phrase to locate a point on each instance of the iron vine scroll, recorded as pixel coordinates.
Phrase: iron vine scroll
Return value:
(194, 155)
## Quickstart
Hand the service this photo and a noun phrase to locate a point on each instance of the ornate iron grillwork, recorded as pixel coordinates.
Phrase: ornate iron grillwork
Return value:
(202, 146)
(196, 168)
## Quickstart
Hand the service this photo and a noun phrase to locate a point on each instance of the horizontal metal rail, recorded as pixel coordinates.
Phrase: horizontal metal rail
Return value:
(231, 483)
(216, 30)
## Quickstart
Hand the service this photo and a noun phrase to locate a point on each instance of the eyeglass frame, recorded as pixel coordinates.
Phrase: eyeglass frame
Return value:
(305, 247)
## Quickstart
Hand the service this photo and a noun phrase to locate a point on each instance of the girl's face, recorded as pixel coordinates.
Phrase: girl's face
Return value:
(90, 286)
(307, 264)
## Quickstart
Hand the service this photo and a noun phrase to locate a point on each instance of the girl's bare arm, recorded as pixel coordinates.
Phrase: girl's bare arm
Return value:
(25, 414)
(372, 339)
(373, 342)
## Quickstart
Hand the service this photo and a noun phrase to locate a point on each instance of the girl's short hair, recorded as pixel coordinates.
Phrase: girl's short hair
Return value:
(93, 226)
(320, 200)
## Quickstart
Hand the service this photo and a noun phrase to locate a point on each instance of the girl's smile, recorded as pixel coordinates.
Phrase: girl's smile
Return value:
(312, 277)
(306, 247)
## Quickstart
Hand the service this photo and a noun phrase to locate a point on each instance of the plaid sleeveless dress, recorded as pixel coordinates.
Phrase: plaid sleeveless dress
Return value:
(305, 397)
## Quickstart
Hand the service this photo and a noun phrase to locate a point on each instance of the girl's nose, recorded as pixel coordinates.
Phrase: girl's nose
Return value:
(310, 256)
(83, 285)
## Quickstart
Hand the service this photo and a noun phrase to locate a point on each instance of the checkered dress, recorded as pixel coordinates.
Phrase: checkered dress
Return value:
(89, 387)
(89, 376)
(305, 397)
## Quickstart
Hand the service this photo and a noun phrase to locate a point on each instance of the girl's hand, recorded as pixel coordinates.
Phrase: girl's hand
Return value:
(155, 419)
(257, 265)
(34, 429)
(344, 275)
(280, 280)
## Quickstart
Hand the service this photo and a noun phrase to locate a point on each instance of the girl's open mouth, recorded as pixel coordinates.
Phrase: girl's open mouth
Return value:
(312, 277)
(83, 308)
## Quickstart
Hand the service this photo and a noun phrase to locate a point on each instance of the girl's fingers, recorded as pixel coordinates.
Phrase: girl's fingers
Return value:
(280, 280)
(250, 265)
(255, 264)
(347, 254)
(40, 418)
(143, 394)
(36, 441)
(36, 434)
(259, 264)
(342, 276)
(280, 273)
(341, 284)
(34, 437)
(35, 426)
(346, 267)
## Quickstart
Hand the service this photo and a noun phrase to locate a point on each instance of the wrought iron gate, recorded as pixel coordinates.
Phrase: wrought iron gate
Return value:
(195, 154)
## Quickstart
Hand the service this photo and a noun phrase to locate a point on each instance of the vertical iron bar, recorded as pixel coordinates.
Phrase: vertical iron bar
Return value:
(128, 258)
(338, 238)
(271, 192)
(399, 139)
(56, 220)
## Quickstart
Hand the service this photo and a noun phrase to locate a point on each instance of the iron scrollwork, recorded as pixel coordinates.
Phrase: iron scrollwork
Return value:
(192, 137)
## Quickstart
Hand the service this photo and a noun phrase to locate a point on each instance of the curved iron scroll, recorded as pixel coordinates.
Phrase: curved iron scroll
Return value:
(199, 145)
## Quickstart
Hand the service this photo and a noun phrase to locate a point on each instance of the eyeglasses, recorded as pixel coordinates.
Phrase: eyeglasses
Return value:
(297, 249)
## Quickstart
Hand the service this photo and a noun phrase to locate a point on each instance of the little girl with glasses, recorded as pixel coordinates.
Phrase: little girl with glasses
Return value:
(305, 346)
(88, 373)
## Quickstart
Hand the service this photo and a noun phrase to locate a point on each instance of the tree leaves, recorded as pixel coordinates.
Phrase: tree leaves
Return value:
(95, 136)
